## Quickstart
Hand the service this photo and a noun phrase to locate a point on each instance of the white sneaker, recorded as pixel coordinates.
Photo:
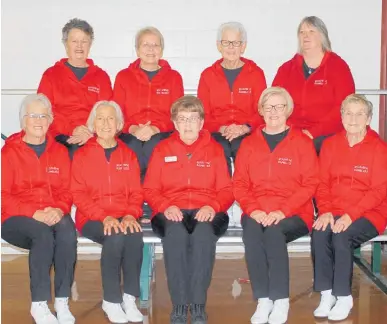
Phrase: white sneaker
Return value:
(63, 313)
(342, 308)
(326, 303)
(279, 314)
(261, 315)
(130, 308)
(114, 312)
(42, 314)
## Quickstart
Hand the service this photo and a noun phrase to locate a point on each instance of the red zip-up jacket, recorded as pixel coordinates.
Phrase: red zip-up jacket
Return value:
(317, 100)
(354, 179)
(188, 177)
(72, 99)
(285, 179)
(224, 107)
(29, 183)
(101, 188)
(142, 100)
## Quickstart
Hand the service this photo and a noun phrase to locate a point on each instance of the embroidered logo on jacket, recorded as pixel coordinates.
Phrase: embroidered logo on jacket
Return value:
(162, 91)
(203, 164)
(52, 169)
(93, 89)
(285, 161)
(320, 82)
(360, 168)
(122, 166)
(245, 90)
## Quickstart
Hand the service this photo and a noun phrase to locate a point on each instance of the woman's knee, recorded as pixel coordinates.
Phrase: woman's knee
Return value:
(65, 229)
(134, 240)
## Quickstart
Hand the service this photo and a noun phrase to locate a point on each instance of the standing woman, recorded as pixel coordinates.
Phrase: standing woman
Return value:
(230, 89)
(73, 85)
(318, 81)
(145, 91)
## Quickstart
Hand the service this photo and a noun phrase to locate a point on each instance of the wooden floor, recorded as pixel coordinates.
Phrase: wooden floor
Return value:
(228, 302)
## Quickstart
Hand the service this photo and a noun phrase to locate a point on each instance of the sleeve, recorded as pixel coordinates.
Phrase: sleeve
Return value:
(119, 96)
(259, 87)
(224, 194)
(242, 182)
(152, 183)
(80, 192)
(309, 178)
(344, 85)
(177, 91)
(63, 196)
(136, 195)
(10, 204)
(323, 193)
(377, 192)
(106, 91)
(58, 125)
(204, 96)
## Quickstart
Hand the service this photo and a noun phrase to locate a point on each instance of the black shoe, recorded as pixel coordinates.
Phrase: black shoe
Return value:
(179, 314)
(198, 314)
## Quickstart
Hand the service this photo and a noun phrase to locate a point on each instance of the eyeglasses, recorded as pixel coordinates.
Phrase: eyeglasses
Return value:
(359, 115)
(191, 120)
(278, 108)
(226, 43)
(37, 116)
(149, 46)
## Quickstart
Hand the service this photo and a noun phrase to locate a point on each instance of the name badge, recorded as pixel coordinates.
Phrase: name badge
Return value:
(168, 159)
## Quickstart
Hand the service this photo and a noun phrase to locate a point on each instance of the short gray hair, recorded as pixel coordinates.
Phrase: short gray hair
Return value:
(276, 91)
(149, 30)
(233, 25)
(317, 23)
(35, 98)
(78, 24)
(358, 99)
(93, 114)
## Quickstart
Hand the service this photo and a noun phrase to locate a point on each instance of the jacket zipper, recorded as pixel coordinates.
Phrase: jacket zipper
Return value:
(110, 184)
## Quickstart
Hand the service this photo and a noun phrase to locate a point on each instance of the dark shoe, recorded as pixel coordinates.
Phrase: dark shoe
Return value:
(198, 314)
(179, 314)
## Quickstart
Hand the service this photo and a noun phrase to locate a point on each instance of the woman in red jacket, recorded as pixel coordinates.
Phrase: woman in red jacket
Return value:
(73, 85)
(189, 190)
(145, 91)
(35, 208)
(230, 89)
(351, 199)
(107, 192)
(318, 81)
(276, 175)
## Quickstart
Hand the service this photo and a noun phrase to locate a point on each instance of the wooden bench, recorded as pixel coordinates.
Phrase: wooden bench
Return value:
(234, 236)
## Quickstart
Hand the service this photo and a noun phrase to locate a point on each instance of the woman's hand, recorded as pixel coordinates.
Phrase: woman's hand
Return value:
(81, 134)
(323, 221)
(233, 131)
(110, 223)
(130, 222)
(173, 213)
(306, 132)
(342, 224)
(273, 217)
(258, 216)
(53, 215)
(205, 214)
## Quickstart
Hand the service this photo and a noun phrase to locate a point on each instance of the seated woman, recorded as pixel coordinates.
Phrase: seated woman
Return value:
(318, 81)
(107, 192)
(276, 175)
(73, 85)
(230, 89)
(145, 91)
(35, 207)
(351, 199)
(189, 190)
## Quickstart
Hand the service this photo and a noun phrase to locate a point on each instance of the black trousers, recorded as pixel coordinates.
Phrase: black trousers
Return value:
(230, 148)
(119, 251)
(62, 139)
(142, 149)
(48, 245)
(332, 255)
(189, 254)
(267, 255)
(318, 141)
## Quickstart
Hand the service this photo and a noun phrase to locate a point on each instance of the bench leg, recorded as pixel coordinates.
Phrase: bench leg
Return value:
(144, 277)
(376, 257)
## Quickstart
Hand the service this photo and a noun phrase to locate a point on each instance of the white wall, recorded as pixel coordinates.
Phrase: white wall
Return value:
(31, 36)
